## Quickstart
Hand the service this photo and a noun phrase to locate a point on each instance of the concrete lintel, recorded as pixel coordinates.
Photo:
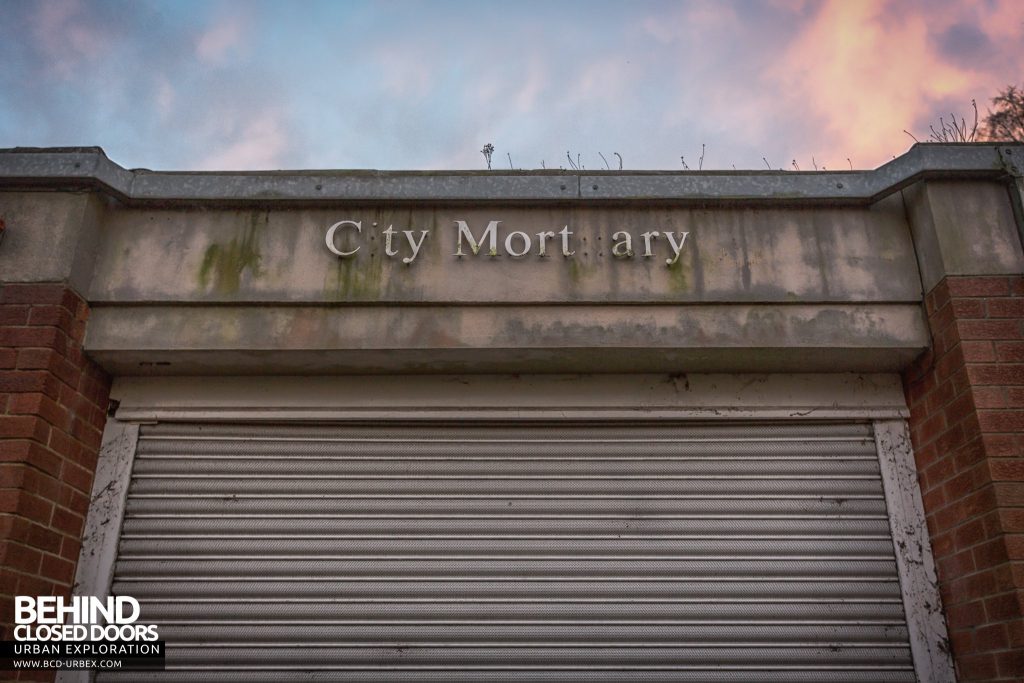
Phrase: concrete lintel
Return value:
(90, 166)
(428, 339)
(793, 395)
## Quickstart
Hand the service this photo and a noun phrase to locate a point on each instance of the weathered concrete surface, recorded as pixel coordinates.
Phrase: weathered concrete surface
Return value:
(284, 339)
(89, 166)
(738, 255)
(50, 237)
(964, 228)
(865, 395)
(230, 272)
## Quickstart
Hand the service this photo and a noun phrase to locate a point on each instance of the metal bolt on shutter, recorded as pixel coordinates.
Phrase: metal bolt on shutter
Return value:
(514, 551)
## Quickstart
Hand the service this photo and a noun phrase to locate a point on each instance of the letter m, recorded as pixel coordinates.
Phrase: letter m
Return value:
(491, 233)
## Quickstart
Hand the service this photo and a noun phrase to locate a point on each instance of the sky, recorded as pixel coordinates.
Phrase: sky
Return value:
(425, 84)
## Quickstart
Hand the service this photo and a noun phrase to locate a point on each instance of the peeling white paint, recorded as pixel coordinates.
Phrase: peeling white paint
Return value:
(929, 641)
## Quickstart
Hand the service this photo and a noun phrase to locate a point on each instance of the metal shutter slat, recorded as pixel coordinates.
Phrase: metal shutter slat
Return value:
(529, 551)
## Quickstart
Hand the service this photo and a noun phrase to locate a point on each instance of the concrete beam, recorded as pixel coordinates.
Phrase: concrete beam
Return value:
(142, 340)
(964, 228)
(89, 166)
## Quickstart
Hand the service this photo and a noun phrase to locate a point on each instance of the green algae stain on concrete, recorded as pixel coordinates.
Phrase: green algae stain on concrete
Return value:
(355, 279)
(225, 263)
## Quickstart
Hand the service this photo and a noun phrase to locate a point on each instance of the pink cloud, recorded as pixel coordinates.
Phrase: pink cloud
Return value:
(867, 70)
(66, 37)
(257, 143)
(214, 43)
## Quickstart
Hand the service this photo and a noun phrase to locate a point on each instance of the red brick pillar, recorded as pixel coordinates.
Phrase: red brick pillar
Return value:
(53, 404)
(966, 398)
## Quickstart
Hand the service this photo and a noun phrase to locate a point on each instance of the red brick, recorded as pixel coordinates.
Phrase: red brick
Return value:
(970, 506)
(961, 381)
(978, 351)
(959, 408)
(39, 293)
(13, 315)
(1006, 308)
(58, 569)
(45, 538)
(932, 428)
(942, 319)
(70, 548)
(948, 364)
(77, 476)
(15, 381)
(24, 427)
(946, 340)
(1010, 494)
(989, 329)
(937, 298)
(1009, 351)
(32, 453)
(933, 500)
(1001, 420)
(962, 641)
(1015, 632)
(42, 485)
(1002, 607)
(1012, 519)
(967, 614)
(977, 667)
(1014, 397)
(969, 534)
(960, 485)
(43, 406)
(992, 637)
(990, 397)
(48, 359)
(34, 507)
(968, 308)
(978, 286)
(990, 554)
(53, 316)
(1010, 664)
(1006, 469)
(33, 585)
(74, 500)
(940, 396)
(919, 384)
(1014, 546)
(21, 558)
(61, 442)
(67, 522)
(956, 565)
(41, 337)
(9, 499)
(37, 358)
(951, 439)
(996, 374)
(96, 391)
(939, 472)
(1001, 446)
(97, 418)
(86, 433)
(11, 475)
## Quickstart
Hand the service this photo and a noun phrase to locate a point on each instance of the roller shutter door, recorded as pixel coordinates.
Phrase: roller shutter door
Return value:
(515, 551)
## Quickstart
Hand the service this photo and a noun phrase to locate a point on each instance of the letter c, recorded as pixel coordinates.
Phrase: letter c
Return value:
(358, 225)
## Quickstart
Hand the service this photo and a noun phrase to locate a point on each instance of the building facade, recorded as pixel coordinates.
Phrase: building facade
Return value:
(524, 425)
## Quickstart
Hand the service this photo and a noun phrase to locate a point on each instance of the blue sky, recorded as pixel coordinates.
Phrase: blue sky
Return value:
(425, 84)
